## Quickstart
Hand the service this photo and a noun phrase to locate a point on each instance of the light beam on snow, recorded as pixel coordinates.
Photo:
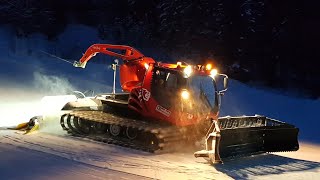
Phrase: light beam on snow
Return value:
(52, 104)
(17, 112)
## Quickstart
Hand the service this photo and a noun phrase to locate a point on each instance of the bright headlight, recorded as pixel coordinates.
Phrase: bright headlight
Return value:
(213, 73)
(185, 94)
(208, 67)
(188, 71)
(146, 66)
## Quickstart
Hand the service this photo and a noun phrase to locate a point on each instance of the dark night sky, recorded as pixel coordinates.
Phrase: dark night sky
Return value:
(277, 41)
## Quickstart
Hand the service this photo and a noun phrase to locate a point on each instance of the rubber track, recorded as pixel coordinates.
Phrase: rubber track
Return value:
(166, 136)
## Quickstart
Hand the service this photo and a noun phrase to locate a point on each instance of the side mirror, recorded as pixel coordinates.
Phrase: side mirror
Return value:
(225, 82)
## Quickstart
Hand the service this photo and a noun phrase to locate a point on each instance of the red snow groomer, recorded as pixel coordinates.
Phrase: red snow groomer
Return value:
(162, 106)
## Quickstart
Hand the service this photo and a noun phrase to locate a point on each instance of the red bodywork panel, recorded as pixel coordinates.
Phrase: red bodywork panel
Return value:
(131, 72)
(142, 101)
(136, 75)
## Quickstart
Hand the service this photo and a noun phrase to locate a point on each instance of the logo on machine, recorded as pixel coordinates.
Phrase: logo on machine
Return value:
(163, 110)
(144, 94)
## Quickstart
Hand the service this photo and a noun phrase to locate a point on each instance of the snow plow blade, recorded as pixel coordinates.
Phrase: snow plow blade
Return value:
(232, 137)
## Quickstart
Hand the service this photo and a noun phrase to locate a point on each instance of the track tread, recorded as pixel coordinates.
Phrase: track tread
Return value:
(165, 135)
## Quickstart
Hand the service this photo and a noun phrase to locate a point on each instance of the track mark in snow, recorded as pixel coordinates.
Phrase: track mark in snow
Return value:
(102, 155)
(269, 165)
(31, 164)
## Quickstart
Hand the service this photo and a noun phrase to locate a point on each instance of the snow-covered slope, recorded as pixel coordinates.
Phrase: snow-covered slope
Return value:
(27, 74)
(241, 99)
(80, 155)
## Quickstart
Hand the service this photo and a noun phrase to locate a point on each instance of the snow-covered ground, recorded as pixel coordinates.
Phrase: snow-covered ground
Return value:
(18, 162)
(27, 74)
(43, 154)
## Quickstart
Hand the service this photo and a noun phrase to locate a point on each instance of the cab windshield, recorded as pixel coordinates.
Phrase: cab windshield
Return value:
(202, 89)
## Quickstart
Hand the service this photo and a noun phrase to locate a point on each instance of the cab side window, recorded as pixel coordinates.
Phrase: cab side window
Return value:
(164, 87)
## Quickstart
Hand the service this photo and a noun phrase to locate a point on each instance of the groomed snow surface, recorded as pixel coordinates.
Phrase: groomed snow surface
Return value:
(27, 74)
